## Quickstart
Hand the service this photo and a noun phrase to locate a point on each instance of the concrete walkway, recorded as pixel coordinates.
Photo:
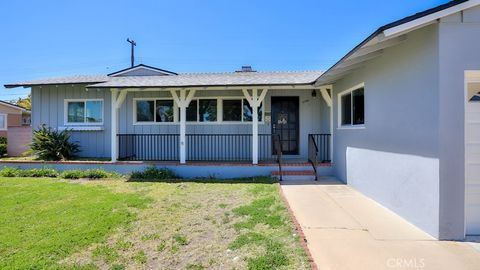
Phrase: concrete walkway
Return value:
(347, 230)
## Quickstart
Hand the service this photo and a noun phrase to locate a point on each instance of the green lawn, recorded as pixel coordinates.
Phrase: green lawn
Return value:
(114, 224)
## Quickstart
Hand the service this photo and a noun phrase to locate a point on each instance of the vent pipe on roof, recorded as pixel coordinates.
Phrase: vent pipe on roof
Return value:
(246, 69)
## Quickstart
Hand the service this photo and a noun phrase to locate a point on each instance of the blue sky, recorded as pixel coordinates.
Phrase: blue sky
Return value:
(53, 38)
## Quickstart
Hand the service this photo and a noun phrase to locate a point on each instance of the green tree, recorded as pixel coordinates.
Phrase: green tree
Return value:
(24, 102)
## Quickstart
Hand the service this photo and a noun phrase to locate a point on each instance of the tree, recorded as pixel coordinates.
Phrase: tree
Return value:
(24, 102)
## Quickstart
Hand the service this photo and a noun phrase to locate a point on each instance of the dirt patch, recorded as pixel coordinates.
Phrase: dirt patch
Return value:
(188, 226)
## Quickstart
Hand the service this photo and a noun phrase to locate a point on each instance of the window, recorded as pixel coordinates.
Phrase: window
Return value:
(164, 111)
(84, 111)
(352, 107)
(160, 111)
(207, 110)
(3, 122)
(145, 109)
(232, 110)
(247, 111)
(192, 111)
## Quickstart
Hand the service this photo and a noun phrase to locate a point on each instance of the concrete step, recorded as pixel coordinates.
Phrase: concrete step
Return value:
(295, 175)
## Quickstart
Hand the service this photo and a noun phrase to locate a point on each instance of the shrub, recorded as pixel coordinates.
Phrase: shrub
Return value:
(50, 144)
(91, 174)
(43, 172)
(153, 173)
(72, 174)
(9, 172)
(97, 174)
(3, 140)
(3, 149)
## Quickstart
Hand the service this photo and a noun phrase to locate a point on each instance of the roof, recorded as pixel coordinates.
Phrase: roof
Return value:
(13, 106)
(183, 80)
(404, 25)
(142, 66)
(213, 79)
(78, 79)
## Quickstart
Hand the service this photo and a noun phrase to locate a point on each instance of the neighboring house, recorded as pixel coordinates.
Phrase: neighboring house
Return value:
(402, 109)
(15, 126)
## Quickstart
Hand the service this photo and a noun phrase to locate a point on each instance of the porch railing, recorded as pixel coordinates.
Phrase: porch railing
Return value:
(199, 147)
(148, 147)
(319, 144)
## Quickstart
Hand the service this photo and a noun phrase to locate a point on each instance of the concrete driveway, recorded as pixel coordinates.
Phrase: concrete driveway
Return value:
(347, 230)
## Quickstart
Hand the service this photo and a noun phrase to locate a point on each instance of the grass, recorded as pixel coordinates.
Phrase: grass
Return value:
(118, 224)
(45, 220)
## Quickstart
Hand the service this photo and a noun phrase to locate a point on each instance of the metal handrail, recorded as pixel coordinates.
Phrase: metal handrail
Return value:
(278, 151)
(313, 153)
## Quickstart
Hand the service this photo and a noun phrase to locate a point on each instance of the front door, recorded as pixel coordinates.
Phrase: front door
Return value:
(285, 120)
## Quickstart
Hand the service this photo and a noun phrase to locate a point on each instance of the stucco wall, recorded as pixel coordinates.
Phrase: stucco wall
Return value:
(48, 108)
(395, 158)
(459, 43)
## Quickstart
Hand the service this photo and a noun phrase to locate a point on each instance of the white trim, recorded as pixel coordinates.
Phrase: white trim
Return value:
(85, 100)
(114, 146)
(470, 76)
(351, 127)
(176, 115)
(420, 22)
(327, 97)
(6, 122)
(339, 108)
(83, 128)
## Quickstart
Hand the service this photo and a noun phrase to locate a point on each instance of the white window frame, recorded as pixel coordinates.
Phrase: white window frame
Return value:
(6, 119)
(176, 116)
(340, 111)
(65, 110)
(143, 123)
(242, 121)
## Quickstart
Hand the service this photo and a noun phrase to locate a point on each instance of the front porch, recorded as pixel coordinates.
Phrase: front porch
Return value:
(231, 148)
(242, 125)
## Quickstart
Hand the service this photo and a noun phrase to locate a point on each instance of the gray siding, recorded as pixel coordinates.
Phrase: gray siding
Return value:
(314, 116)
(459, 51)
(48, 109)
(401, 130)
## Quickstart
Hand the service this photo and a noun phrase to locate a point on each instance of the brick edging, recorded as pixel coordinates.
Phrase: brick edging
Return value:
(302, 239)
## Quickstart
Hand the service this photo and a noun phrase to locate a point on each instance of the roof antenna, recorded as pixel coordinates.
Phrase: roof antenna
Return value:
(133, 43)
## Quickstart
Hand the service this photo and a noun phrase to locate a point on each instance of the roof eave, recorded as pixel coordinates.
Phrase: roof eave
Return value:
(393, 29)
(206, 86)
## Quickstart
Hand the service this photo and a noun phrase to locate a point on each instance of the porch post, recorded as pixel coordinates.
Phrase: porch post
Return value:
(182, 102)
(254, 100)
(183, 120)
(254, 130)
(116, 101)
(114, 139)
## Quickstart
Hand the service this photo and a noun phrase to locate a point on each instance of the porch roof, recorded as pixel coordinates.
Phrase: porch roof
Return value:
(184, 80)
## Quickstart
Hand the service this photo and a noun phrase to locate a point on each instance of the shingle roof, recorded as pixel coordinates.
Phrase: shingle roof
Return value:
(13, 105)
(78, 79)
(213, 79)
(183, 80)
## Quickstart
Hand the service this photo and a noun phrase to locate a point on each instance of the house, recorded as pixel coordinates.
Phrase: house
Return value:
(398, 117)
(15, 126)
